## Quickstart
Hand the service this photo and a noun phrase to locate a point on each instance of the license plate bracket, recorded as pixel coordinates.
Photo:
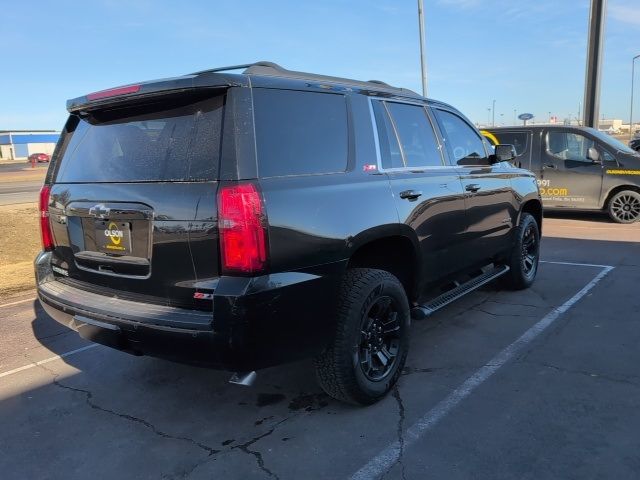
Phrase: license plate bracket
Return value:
(113, 237)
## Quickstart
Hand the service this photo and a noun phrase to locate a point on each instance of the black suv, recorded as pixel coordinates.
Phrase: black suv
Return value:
(244, 220)
(578, 168)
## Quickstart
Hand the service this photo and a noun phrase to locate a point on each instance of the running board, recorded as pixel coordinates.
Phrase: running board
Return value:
(422, 311)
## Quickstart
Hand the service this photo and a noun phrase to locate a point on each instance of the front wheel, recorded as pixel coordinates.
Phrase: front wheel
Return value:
(365, 358)
(624, 207)
(524, 258)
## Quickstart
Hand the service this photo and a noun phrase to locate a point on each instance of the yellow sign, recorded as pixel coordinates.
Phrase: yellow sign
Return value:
(623, 172)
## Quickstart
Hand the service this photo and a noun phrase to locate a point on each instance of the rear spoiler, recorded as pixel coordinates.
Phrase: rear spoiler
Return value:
(140, 91)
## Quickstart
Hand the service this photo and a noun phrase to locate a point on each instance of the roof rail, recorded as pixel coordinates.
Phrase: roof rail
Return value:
(224, 69)
(273, 69)
(380, 82)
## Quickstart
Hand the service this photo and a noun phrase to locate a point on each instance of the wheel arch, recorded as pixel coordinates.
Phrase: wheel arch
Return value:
(617, 189)
(373, 251)
(533, 207)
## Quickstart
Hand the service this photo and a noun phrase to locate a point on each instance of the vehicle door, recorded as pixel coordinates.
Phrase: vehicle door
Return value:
(569, 178)
(427, 192)
(491, 207)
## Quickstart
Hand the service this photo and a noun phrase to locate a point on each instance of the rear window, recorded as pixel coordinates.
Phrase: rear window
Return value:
(174, 139)
(299, 133)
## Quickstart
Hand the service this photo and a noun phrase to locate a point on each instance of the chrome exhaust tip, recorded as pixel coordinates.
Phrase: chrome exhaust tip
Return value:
(245, 379)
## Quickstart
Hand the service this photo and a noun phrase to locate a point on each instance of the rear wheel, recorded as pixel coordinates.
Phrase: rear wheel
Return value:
(369, 349)
(624, 207)
(524, 258)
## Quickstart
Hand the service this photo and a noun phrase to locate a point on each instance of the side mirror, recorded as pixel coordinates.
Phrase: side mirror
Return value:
(504, 153)
(593, 155)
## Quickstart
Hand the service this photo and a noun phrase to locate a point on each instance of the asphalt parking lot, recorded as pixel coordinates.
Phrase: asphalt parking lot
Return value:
(542, 383)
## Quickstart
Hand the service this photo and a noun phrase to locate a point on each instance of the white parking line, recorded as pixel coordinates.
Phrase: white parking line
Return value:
(18, 302)
(47, 360)
(382, 462)
(576, 264)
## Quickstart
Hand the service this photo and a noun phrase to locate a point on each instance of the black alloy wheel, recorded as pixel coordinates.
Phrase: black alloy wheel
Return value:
(530, 251)
(379, 339)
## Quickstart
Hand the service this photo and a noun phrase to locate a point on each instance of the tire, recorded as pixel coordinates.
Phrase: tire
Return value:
(624, 207)
(524, 258)
(369, 300)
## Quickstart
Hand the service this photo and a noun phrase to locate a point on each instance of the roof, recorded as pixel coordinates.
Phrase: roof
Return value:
(262, 74)
(26, 132)
(270, 69)
(16, 137)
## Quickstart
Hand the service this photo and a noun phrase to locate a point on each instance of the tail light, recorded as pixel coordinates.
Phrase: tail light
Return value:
(45, 227)
(242, 227)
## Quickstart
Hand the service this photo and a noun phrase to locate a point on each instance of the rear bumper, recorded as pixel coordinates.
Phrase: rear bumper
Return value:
(254, 322)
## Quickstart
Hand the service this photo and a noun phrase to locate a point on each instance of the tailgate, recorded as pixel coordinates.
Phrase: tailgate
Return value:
(133, 200)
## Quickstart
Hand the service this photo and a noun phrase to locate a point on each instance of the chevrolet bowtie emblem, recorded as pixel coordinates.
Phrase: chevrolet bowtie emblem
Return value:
(99, 211)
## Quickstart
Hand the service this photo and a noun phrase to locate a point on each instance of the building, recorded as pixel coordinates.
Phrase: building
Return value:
(613, 125)
(19, 144)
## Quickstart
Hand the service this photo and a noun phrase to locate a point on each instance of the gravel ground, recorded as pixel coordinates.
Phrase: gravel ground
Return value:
(19, 245)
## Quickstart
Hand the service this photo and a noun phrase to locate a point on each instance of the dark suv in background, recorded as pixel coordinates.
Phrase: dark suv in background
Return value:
(244, 220)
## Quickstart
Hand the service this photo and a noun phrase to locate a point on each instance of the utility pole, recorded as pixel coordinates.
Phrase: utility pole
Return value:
(579, 112)
(493, 114)
(597, 16)
(423, 61)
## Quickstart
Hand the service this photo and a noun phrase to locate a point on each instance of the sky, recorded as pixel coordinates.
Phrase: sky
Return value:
(527, 55)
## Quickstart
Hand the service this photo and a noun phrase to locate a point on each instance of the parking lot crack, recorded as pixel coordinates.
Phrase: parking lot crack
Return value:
(521, 304)
(498, 314)
(400, 429)
(256, 453)
(92, 404)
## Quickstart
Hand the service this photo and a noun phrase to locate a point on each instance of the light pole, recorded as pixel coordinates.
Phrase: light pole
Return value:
(493, 114)
(502, 119)
(488, 115)
(514, 116)
(633, 65)
(423, 63)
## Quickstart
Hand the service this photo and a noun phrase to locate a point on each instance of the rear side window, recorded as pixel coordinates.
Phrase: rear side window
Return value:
(390, 154)
(171, 139)
(300, 133)
(417, 138)
(517, 139)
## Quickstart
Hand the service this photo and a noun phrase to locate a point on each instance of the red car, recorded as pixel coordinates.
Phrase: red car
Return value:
(39, 157)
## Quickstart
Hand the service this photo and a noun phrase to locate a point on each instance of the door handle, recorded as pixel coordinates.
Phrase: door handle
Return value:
(410, 194)
(549, 165)
(472, 187)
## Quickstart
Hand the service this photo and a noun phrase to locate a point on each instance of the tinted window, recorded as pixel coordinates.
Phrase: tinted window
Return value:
(464, 145)
(389, 147)
(607, 156)
(417, 138)
(569, 146)
(173, 139)
(300, 133)
(517, 139)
